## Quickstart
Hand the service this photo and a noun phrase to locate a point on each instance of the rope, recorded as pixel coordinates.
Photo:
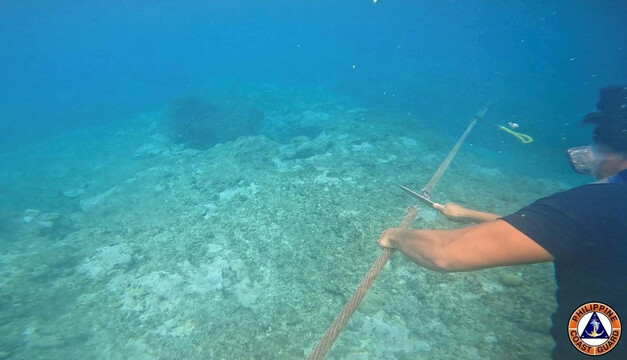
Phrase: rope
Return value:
(325, 344)
(426, 191)
(523, 138)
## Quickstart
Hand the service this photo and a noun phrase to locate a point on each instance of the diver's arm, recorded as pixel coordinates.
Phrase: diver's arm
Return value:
(489, 244)
(457, 212)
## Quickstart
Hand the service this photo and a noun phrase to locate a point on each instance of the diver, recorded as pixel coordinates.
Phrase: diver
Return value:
(583, 231)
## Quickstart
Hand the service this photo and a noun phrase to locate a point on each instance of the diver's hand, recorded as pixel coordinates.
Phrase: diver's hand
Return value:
(391, 237)
(458, 212)
(452, 210)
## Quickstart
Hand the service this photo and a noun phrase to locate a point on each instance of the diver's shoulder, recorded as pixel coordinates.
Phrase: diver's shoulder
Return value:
(594, 191)
(598, 188)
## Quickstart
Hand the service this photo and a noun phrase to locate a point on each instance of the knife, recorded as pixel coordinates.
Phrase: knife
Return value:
(419, 196)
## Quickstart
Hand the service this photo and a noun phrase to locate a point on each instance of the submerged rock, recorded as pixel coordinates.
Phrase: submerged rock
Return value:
(511, 280)
(37, 224)
(201, 123)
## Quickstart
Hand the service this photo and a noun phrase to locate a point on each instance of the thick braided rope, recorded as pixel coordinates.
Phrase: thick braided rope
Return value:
(438, 174)
(325, 344)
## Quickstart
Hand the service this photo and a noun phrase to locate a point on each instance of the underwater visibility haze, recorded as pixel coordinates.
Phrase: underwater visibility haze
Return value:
(207, 179)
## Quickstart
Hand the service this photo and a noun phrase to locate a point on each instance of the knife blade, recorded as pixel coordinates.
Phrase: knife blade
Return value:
(415, 194)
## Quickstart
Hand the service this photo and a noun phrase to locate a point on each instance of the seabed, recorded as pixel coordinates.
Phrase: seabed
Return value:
(118, 243)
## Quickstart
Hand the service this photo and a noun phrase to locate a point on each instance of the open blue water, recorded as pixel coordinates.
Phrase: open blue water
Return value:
(206, 180)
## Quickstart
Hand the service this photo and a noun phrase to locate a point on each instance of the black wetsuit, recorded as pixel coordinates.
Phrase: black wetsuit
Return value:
(585, 229)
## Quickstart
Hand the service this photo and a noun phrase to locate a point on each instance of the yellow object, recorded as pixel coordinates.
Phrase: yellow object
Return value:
(525, 139)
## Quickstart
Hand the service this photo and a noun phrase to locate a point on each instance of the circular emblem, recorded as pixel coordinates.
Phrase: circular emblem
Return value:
(594, 328)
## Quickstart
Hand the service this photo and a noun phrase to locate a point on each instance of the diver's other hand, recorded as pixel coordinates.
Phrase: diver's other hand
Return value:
(451, 210)
(390, 237)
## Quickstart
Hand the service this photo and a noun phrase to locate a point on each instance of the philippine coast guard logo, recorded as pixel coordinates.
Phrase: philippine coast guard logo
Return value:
(594, 328)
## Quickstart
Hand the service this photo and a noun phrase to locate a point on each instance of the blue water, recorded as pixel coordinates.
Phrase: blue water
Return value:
(356, 97)
(70, 64)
